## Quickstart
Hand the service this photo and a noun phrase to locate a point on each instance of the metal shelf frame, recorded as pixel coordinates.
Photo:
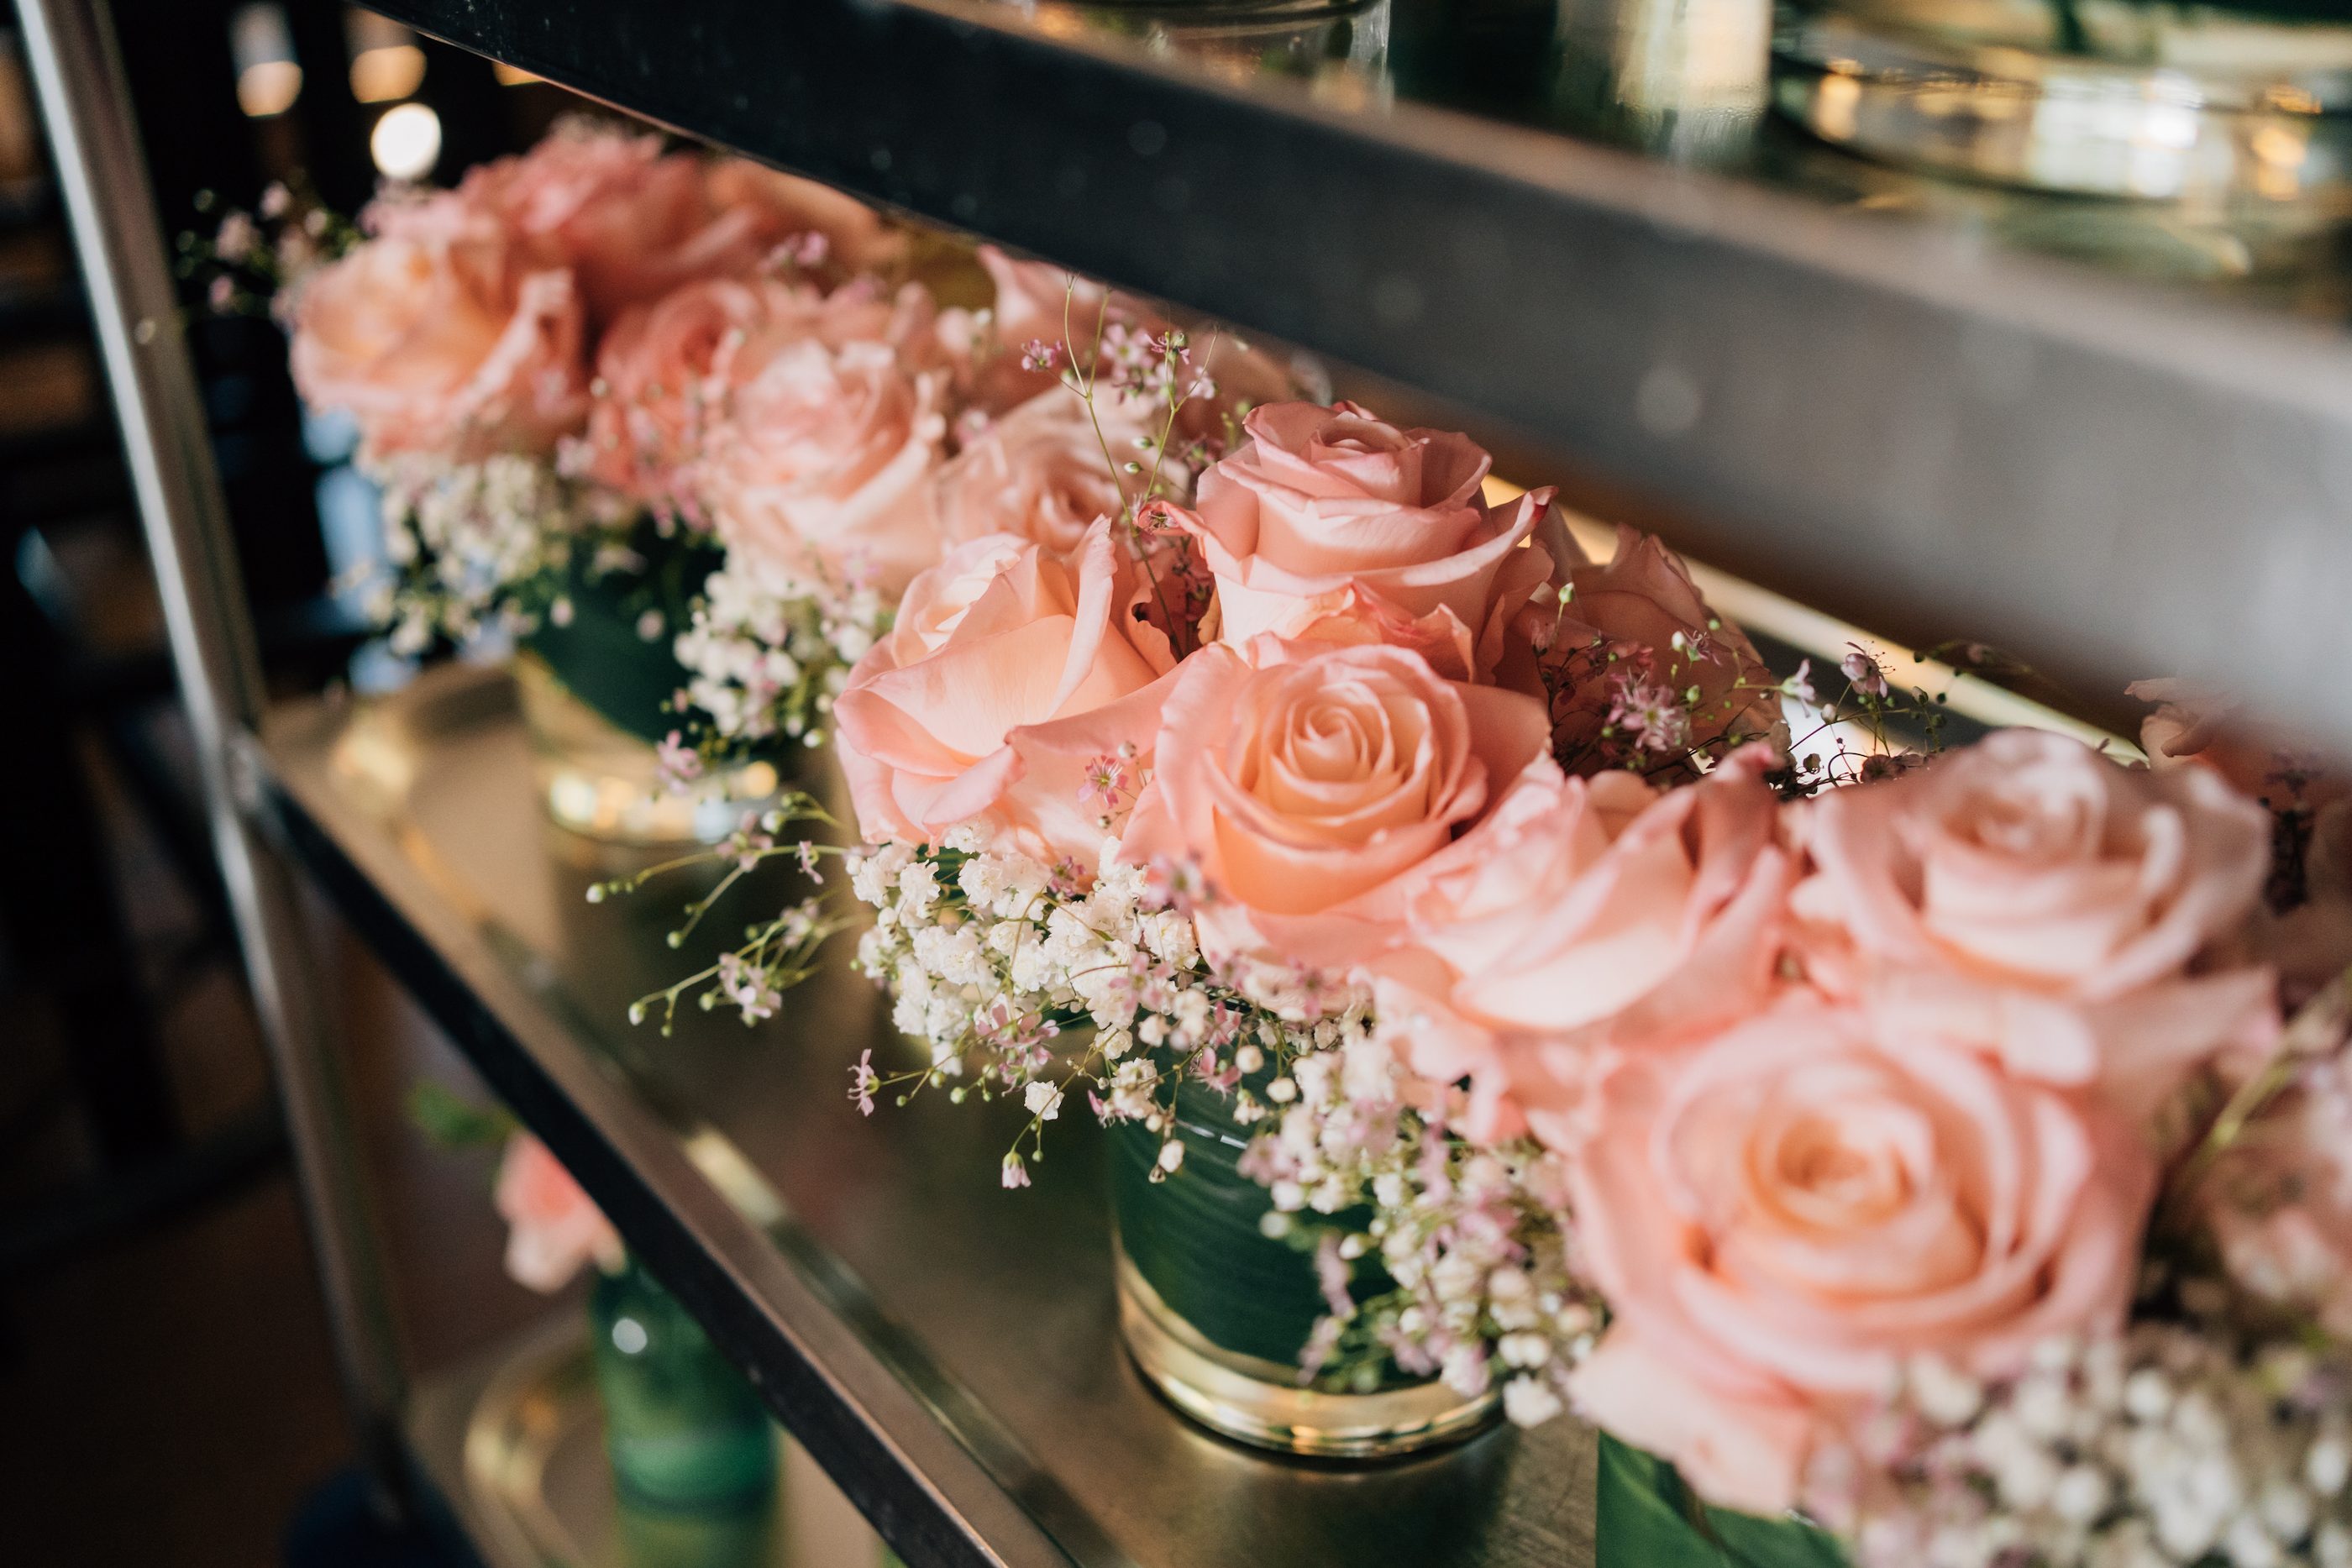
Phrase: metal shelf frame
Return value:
(1898, 423)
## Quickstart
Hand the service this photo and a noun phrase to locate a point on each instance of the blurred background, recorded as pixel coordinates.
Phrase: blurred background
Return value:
(165, 1372)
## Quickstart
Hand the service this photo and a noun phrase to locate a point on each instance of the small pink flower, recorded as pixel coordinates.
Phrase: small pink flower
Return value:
(1038, 355)
(1651, 714)
(1863, 669)
(1105, 781)
(237, 238)
(863, 1082)
(680, 764)
(1015, 1172)
(1331, 1277)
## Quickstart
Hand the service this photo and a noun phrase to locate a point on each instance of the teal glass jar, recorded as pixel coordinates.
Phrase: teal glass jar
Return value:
(1215, 1313)
(684, 1430)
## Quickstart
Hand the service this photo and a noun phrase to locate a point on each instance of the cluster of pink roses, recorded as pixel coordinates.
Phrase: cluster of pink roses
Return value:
(720, 343)
(1837, 1082)
(553, 288)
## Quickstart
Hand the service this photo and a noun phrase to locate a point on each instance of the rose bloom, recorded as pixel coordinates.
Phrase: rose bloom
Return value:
(663, 375)
(632, 222)
(1783, 1216)
(2279, 1202)
(1010, 672)
(1307, 785)
(1633, 639)
(781, 206)
(437, 337)
(1587, 913)
(824, 464)
(1039, 472)
(1037, 301)
(2304, 928)
(1326, 506)
(554, 1227)
(2031, 877)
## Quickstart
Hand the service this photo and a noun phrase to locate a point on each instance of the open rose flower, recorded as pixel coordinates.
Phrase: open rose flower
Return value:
(1783, 1217)
(1038, 302)
(1643, 671)
(782, 207)
(2279, 1202)
(1040, 472)
(825, 466)
(554, 1228)
(1325, 508)
(1308, 785)
(632, 222)
(437, 337)
(2304, 928)
(664, 372)
(2076, 898)
(1010, 672)
(1588, 913)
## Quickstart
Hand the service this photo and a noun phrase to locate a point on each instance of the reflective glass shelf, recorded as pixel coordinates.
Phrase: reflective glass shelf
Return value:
(944, 1349)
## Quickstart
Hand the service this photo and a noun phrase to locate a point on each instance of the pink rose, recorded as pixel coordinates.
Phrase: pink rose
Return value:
(2304, 928)
(632, 222)
(782, 207)
(1038, 302)
(1634, 642)
(862, 310)
(439, 339)
(1307, 786)
(1040, 472)
(2030, 876)
(664, 375)
(825, 464)
(1583, 914)
(1783, 1218)
(1325, 507)
(2280, 1201)
(554, 1227)
(1012, 676)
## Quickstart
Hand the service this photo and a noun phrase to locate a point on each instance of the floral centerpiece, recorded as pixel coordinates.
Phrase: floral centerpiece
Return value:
(1494, 1001)
(686, 427)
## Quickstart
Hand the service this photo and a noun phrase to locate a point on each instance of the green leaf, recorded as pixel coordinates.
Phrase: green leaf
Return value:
(1648, 1518)
(453, 1122)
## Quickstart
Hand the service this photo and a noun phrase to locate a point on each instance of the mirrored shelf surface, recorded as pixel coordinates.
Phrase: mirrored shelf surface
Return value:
(943, 1348)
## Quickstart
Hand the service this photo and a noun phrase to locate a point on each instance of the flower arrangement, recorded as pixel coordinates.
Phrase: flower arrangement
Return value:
(1943, 1150)
(1940, 1149)
(600, 354)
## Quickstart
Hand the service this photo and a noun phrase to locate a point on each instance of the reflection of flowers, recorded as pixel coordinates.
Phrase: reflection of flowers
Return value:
(554, 1228)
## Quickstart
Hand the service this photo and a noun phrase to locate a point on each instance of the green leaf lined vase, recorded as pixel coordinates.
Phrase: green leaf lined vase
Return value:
(1216, 1312)
(1645, 1517)
(595, 689)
